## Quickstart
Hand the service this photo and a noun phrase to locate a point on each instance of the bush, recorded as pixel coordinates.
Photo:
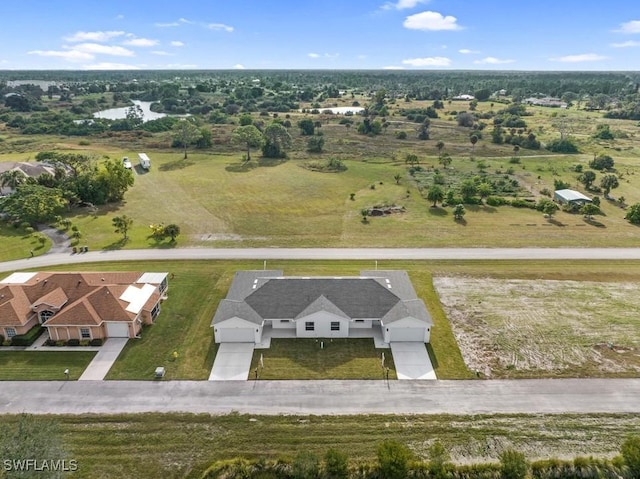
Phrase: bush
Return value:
(393, 459)
(1, 339)
(336, 465)
(518, 203)
(631, 454)
(401, 135)
(602, 162)
(305, 466)
(563, 146)
(73, 342)
(496, 201)
(633, 215)
(514, 464)
(96, 342)
(28, 338)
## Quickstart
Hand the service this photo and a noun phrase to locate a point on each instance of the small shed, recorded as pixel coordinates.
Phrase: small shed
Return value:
(145, 161)
(570, 197)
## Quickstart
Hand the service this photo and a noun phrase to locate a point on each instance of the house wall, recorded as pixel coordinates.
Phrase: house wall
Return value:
(322, 322)
(33, 320)
(283, 324)
(366, 323)
(64, 333)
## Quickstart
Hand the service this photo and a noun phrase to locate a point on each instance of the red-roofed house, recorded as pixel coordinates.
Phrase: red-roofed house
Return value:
(80, 305)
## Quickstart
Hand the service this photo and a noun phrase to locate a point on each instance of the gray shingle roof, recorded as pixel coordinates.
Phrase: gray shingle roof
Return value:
(228, 309)
(322, 304)
(243, 282)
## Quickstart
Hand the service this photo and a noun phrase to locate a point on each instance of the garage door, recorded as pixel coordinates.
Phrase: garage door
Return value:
(236, 335)
(407, 334)
(118, 330)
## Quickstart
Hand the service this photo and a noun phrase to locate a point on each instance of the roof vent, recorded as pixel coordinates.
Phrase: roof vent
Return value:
(102, 279)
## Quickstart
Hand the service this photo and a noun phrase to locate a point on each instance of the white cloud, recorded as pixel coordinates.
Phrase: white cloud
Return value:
(177, 44)
(220, 26)
(141, 42)
(162, 53)
(492, 61)
(119, 17)
(431, 21)
(96, 48)
(628, 44)
(313, 55)
(630, 27)
(238, 66)
(585, 57)
(466, 51)
(110, 66)
(71, 55)
(393, 67)
(181, 21)
(428, 62)
(93, 36)
(403, 4)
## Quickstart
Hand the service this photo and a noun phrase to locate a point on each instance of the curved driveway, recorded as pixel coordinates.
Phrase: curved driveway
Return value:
(328, 254)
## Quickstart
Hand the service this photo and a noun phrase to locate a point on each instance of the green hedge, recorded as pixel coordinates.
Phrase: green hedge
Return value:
(28, 338)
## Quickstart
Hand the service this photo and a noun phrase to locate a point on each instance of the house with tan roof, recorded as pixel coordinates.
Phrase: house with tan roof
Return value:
(321, 307)
(81, 305)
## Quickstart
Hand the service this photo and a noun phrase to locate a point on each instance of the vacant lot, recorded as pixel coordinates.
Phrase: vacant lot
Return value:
(530, 328)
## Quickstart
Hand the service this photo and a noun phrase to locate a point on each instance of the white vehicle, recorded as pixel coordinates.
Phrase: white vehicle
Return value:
(145, 161)
(126, 162)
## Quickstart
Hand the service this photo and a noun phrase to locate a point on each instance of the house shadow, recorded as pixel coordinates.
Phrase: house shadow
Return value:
(176, 165)
(432, 357)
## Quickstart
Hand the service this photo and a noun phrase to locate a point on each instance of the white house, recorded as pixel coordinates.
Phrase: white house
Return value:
(570, 197)
(321, 307)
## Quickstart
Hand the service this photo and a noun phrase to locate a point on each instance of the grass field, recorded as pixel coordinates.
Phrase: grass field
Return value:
(339, 359)
(43, 365)
(181, 445)
(532, 328)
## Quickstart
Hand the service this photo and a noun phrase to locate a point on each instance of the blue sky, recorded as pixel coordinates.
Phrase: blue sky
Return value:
(321, 34)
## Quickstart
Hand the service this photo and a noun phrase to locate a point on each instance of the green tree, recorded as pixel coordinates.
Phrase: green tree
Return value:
(34, 204)
(185, 133)
(630, 451)
(458, 212)
(315, 144)
(445, 160)
(435, 194)
(245, 119)
(587, 178)
(393, 459)
(513, 464)
(473, 139)
(484, 190)
(307, 127)
(68, 162)
(172, 230)
(440, 147)
(12, 179)
(249, 137)
(336, 464)
(122, 224)
(633, 214)
(468, 189)
(609, 182)
(411, 159)
(439, 457)
(547, 206)
(115, 180)
(602, 162)
(588, 210)
(276, 141)
(397, 177)
(33, 437)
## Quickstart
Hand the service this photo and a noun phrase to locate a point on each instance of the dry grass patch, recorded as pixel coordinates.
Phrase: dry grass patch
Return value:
(531, 328)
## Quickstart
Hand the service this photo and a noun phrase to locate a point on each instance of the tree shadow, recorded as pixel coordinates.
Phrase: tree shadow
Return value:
(242, 167)
(176, 165)
(116, 245)
(437, 211)
(594, 222)
(484, 208)
(461, 221)
(555, 222)
(270, 162)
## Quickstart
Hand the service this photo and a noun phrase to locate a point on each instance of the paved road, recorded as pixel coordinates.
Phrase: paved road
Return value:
(323, 397)
(328, 253)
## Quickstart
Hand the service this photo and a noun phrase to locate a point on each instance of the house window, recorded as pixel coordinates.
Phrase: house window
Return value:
(155, 311)
(85, 333)
(359, 320)
(11, 332)
(335, 325)
(45, 315)
(310, 326)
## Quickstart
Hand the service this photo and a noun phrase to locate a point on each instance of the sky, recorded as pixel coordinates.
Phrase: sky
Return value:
(321, 34)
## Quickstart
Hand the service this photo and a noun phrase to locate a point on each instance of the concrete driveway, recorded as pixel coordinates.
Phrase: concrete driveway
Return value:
(102, 362)
(411, 360)
(232, 362)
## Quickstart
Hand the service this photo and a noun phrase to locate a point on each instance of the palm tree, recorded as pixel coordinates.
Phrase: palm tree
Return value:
(440, 147)
(397, 177)
(12, 179)
(473, 139)
(445, 160)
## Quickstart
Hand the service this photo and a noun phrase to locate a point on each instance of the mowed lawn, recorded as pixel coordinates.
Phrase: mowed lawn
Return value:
(42, 365)
(325, 358)
(544, 328)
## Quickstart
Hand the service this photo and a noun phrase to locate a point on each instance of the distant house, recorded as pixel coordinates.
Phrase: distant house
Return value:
(29, 170)
(464, 98)
(567, 197)
(546, 101)
(321, 307)
(80, 305)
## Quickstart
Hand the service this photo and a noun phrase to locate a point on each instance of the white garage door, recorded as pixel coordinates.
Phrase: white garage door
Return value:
(407, 334)
(236, 335)
(118, 330)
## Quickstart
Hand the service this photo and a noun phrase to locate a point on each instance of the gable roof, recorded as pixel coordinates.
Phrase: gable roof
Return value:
(385, 295)
(572, 195)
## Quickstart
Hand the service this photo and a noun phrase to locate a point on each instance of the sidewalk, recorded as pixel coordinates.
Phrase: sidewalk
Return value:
(102, 362)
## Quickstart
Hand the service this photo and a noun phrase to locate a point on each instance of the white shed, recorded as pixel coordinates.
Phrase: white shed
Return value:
(145, 161)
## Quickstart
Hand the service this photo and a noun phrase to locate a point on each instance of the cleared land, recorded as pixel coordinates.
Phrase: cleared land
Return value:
(182, 445)
(533, 328)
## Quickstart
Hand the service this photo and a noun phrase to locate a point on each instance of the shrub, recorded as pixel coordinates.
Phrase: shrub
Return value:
(28, 338)
(336, 465)
(513, 464)
(393, 459)
(96, 342)
(518, 203)
(602, 162)
(563, 146)
(631, 454)
(73, 342)
(1, 339)
(496, 201)
(305, 466)
(401, 135)
(50, 342)
(633, 215)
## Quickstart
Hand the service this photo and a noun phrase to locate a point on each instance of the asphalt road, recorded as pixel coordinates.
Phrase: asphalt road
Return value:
(329, 254)
(323, 397)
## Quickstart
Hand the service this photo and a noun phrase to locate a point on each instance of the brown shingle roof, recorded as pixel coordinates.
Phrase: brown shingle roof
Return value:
(55, 299)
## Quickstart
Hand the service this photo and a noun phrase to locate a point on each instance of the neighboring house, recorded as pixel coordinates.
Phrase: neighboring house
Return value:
(321, 307)
(570, 197)
(29, 170)
(464, 97)
(546, 101)
(80, 305)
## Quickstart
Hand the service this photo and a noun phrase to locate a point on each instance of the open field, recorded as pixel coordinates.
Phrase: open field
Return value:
(181, 445)
(43, 365)
(340, 359)
(532, 328)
